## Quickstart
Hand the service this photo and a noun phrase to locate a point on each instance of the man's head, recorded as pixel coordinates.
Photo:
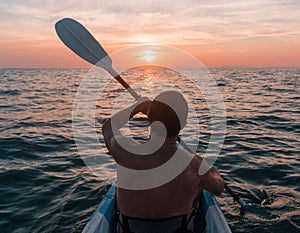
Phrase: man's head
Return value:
(171, 109)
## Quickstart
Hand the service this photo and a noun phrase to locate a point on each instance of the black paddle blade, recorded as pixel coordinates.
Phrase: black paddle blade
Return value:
(77, 38)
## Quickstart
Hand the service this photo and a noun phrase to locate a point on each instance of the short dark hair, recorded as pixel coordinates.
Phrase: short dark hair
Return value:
(171, 109)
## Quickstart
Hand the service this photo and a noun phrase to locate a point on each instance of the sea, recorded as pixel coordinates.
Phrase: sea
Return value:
(55, 169)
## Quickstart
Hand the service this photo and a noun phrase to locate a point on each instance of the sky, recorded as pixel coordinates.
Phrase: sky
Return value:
(252, 33)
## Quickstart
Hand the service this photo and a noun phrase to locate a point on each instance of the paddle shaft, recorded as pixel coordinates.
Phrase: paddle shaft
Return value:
(233, 194)
(116, 76)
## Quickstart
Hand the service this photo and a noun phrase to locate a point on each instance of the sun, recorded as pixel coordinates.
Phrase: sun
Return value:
(148, 55)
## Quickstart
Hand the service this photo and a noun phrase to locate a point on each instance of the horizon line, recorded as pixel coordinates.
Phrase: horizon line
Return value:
(208, 67)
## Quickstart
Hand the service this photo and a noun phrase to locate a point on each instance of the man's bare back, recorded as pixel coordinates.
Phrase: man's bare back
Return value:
(173, 198)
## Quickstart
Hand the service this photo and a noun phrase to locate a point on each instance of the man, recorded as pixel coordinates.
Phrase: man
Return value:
(166, 207)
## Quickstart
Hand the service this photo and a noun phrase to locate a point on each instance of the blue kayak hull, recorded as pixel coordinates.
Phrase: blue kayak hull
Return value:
(103, 221)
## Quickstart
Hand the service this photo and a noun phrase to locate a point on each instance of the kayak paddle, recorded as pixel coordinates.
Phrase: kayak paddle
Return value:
(77, 38)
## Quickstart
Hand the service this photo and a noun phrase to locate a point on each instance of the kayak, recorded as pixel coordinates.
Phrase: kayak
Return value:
(103, 220)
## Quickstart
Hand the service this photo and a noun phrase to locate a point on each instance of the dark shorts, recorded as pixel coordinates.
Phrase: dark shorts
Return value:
(137, 225)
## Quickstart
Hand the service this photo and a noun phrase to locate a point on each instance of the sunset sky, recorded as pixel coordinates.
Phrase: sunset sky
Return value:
(254, 33)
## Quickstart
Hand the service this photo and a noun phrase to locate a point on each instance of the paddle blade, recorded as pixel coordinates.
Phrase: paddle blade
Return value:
(77, 38)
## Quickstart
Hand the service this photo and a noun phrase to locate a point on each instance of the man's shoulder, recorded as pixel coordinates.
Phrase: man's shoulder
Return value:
(196, 158)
